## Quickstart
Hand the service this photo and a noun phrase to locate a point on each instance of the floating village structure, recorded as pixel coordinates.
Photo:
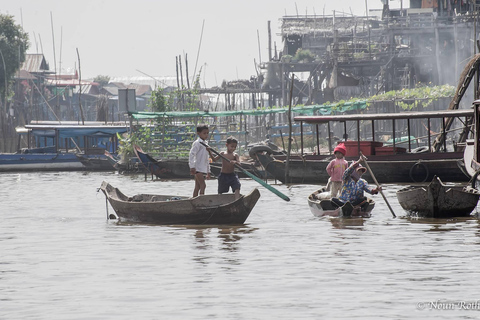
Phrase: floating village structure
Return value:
(326, 57)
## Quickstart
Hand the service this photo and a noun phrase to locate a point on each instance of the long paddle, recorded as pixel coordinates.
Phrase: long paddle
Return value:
(376, 182)
(266, 185)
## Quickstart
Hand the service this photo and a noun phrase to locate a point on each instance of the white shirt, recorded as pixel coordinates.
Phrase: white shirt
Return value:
(199, 157)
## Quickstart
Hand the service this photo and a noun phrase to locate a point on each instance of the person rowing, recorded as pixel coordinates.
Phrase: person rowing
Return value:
(354, 186)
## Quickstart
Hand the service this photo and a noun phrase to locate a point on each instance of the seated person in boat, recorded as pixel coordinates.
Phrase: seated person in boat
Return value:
(336, 168)
(228, 178)
(354, 186)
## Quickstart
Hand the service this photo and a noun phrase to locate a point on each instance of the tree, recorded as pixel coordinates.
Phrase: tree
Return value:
(102, 80)
(13, 46)
(158, 102)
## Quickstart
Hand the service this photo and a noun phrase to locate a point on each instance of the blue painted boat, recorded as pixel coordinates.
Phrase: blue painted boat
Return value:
(52, 146)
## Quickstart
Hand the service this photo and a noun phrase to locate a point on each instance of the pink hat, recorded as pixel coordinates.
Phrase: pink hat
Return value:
(340, 148)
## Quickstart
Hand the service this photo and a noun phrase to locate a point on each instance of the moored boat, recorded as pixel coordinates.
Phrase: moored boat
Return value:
(180, 169)
(391, 163)
(168, 209)
(53, 146)
(163, 169)
(321, 205)
(438, 200)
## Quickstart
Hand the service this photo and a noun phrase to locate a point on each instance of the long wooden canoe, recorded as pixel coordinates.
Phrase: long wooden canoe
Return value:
(167, 209)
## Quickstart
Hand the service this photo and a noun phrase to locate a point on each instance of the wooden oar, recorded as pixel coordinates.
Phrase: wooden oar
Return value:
(376, 182)
(266, 185)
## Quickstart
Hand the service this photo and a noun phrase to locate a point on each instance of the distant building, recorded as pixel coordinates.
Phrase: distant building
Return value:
(341, 56)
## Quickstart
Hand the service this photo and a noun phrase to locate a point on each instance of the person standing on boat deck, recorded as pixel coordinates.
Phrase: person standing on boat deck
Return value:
(228, 178)
(336, 168)
(198, 161)
(354, 186)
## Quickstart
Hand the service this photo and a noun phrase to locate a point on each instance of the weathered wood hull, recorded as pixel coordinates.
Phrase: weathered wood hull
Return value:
(179, 168)
(409, 167)
(437, 200)
(95, 162)
(323, 207)
(164, 209)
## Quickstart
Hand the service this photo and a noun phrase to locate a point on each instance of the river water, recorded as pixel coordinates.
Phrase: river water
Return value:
(62, 259)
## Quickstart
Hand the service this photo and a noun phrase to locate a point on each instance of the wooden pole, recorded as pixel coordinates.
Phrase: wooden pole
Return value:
(287, 165)
(186, 72)
(376, 182)
(80, 87)
(269, 42)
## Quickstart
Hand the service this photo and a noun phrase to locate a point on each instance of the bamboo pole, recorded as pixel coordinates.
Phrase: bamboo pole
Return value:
(287, 165)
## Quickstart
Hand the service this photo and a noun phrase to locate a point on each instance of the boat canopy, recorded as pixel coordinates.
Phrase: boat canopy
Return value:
(324, 109)
(65, 131)
(387, 116)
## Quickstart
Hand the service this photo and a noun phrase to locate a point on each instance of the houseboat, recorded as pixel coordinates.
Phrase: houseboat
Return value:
(52, 146)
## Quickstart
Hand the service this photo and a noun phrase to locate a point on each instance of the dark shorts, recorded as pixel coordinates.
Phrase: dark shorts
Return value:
(227, 180)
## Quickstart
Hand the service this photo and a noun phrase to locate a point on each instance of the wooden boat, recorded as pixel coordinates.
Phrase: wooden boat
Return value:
(438, 200)
(165, 209)
(96, 159)
(55, 146)
(391, 164)
(163, 169)
(179, 168)
(471, 157)
(58, 161)
(320, 205)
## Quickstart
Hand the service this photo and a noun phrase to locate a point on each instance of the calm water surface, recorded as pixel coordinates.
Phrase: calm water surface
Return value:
(61, 258)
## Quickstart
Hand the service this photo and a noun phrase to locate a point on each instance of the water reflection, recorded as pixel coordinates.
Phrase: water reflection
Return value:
(231, 236)
(206, 242)
(442, 225)
(347, 223)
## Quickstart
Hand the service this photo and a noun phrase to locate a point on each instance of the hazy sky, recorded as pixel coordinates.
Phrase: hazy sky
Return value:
(119, 37)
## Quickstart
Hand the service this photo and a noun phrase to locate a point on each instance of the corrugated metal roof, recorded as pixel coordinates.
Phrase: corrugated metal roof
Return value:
(322, 25)
(24, 75)
(35, 63)
(140, 89)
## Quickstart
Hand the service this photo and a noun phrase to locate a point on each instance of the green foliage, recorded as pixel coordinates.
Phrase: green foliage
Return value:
(158, 101)
(140, 136)
(102, 80)
(304, 55)
(13, 45)
(406, 98)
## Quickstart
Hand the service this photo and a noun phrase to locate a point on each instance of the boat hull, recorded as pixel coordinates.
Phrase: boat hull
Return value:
(437, 200)
(408, 167)
(40, 162)
(170, 210)
(322, 206)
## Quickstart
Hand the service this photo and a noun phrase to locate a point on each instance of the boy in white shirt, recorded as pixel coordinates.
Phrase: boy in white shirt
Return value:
(198, 161)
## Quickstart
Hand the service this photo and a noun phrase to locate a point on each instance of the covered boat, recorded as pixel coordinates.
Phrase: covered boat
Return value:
(391, 163)
(320, 205)
(63, 146)
(167, 209)
(438, 200)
